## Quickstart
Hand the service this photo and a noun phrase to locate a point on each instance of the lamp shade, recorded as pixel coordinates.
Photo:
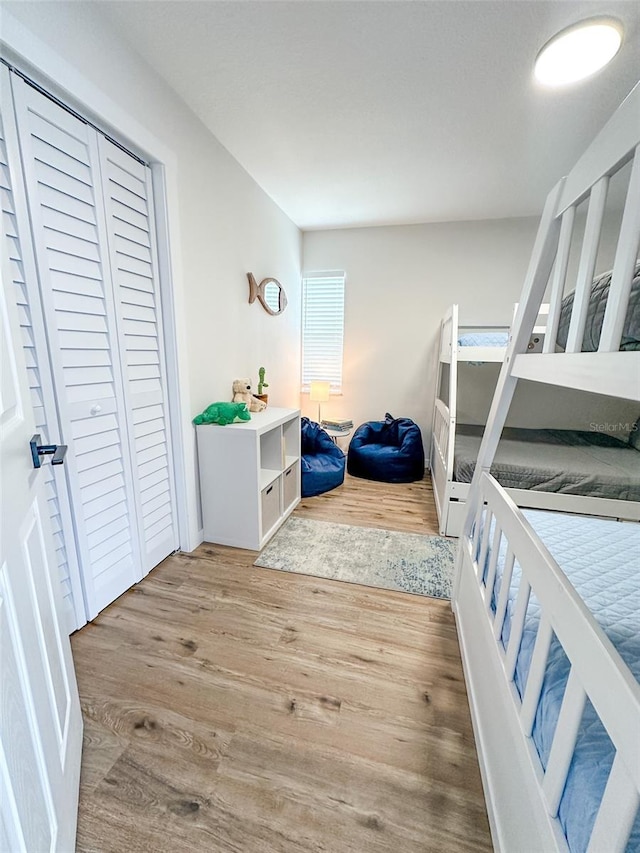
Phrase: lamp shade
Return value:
(319, 391)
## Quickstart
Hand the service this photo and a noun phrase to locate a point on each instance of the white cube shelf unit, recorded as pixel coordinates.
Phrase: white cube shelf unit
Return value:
(249, 477)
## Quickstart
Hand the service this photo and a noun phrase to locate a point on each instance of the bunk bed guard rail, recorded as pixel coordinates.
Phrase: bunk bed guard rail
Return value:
(596, 670)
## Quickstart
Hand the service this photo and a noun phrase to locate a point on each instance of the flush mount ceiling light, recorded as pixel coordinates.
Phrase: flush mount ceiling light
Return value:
(578, 51)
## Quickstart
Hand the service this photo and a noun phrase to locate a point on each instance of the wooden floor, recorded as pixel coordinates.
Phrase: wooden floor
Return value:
(230, 708)
(409, 507)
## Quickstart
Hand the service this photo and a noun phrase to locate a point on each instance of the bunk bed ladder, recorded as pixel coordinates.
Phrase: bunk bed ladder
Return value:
(589, 179)
(614, 370)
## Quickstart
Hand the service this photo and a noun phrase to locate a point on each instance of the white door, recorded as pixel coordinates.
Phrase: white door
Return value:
(16, 230)
(61, 168)
(40, 720)
(126, 190)
(91, 215)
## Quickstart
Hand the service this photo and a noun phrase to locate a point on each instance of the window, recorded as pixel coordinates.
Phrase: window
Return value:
(322, 328)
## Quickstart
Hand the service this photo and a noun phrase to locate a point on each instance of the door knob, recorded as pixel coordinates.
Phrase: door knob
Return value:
(94, 410)
(56, 451)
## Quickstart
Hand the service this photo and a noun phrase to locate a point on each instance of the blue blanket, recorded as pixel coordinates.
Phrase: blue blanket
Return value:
(601, 559)
(484, 339)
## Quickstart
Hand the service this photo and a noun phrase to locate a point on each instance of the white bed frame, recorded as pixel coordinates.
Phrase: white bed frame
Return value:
(450, 495)
(522, 799)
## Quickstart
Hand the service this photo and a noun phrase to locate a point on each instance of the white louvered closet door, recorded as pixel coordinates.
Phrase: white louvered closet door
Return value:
(87, 337)
(15, 224)
(60, 160)
(130, 227)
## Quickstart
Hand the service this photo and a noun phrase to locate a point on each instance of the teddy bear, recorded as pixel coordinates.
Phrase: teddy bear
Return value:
(242, 394)
(223, 414)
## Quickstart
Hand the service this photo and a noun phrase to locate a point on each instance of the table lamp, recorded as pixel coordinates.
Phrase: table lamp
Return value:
(319, 393)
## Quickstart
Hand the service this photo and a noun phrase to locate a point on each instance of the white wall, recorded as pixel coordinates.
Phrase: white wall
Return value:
(399, 282)
(222, 224)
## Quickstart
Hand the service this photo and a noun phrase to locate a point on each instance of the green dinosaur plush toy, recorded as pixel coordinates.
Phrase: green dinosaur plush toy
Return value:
(223, 413)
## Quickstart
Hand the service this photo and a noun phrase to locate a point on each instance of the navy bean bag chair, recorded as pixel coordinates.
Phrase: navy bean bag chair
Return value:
(390, 451)
(322, 461)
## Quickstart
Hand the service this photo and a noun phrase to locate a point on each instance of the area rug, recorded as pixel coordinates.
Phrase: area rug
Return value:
(407, 562)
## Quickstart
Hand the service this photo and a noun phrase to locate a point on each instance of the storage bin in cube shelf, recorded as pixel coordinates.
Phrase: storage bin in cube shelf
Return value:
(290, 481)
(271, 506)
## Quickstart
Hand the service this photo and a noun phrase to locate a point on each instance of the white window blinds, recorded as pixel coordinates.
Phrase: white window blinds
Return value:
(322, 328)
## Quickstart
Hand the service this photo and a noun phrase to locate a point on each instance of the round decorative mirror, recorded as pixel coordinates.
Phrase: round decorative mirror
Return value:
(269, 293)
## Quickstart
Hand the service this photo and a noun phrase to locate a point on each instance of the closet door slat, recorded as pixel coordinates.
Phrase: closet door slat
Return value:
(128, 202)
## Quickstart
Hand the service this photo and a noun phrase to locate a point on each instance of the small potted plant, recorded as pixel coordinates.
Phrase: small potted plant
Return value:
(261, 385)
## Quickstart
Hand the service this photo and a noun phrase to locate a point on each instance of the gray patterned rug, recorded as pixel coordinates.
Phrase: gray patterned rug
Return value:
(407, 562)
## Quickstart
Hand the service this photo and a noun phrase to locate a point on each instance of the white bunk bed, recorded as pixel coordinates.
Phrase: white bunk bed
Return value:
(549, 622)
(487, 344)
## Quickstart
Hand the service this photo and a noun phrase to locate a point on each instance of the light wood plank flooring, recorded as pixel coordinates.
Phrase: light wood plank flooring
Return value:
(230, 708)
(409, 507)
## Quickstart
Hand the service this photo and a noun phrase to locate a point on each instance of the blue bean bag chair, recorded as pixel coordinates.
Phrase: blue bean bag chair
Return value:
(322, 461)
(390, 451)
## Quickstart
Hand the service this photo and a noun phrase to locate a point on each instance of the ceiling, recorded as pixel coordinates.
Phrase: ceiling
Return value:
(370, 113)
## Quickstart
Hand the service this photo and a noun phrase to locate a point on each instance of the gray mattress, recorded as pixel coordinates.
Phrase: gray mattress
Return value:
(567, 461)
